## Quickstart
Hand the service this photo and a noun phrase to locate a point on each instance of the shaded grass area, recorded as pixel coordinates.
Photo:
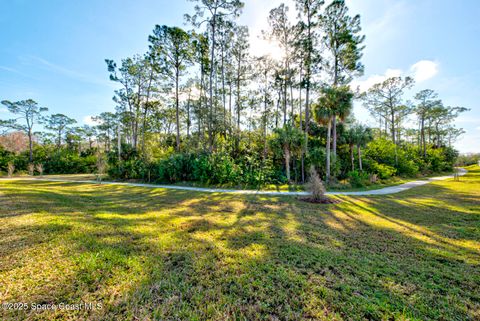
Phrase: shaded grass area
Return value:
(176, 255)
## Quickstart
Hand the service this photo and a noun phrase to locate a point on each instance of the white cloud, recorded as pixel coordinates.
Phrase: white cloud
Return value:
(87, 120)
(420, 71)
(424, 70)
(364, 85)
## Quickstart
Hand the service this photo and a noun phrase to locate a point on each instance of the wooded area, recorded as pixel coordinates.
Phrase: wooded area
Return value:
(198, 106)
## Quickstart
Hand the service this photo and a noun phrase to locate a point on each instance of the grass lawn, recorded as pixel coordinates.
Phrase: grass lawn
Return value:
(150, 254)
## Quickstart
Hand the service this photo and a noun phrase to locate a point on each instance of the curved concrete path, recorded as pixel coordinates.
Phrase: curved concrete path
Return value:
(383, 191)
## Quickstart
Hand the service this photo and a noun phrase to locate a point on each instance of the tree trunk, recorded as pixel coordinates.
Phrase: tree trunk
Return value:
(394, 140)
(422, 135)
(230, 106)
(223, 91)
(352, 159)
(30, 145)
(285, 111)
(329, 130)
(119, 144)
(286, 151)
(212, 59)
(177, 107)
(238, 103)
(265, 103)
(334, 138)
(360, 166)
(292, 105)
(145, 111)
(334, 124)
(301, 124)
(188, 112)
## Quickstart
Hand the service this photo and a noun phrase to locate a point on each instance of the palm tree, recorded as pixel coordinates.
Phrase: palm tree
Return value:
(342, 109)
(333, 102)
(324, 114)
(351, 139)
(363, 135)
(290, 140)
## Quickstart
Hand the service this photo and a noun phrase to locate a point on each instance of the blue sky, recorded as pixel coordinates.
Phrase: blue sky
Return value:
(53, 50)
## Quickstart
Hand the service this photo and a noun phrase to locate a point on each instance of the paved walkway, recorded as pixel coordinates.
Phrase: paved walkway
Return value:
(383, 191)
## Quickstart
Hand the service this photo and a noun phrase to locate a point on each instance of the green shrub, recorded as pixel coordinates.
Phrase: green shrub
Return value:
(358, 179)
(383, 171)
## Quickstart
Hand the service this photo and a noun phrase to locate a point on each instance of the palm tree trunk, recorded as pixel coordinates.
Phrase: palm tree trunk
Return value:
(329, 130)
(334, 134)
(286, 151)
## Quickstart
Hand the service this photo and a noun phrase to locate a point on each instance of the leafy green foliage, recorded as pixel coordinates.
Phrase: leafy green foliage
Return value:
(357, 178)
(383, 171)
(53, 160)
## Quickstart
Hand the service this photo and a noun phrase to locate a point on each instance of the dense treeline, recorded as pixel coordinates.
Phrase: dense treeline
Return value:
(198, 106)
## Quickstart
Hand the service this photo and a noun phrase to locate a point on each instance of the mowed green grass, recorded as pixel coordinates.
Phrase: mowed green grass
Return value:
(153, 254)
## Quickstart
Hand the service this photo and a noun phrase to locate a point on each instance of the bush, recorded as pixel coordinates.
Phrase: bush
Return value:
(383, 171)
(358, 179)
(5, 158)
(31, 169)
(206, 168)
(10, 169)
(381, 152)
(175, 168)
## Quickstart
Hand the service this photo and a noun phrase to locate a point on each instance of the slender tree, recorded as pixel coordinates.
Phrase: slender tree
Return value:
(107, 124)
(427, 100)
(343, 43)
(136, 76)
(385, 100)
(215, 9)
(59, 124)
(241, 57)
(308, 45)
(29, 113)
(264, 70)
(331, 99)
(290, 140)
(360, 136)
(173, 51)
(281, 30)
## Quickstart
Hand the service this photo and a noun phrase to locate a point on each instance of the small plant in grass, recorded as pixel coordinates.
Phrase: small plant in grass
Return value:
(317, 189)
(101, 167)
(31, 169)
(10, 169)
(39, 168)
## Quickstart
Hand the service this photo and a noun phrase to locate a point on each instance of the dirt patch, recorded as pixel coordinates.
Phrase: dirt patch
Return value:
(325, 200)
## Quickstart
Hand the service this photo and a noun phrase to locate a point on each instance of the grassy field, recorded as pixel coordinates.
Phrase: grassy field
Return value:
(148, 254)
